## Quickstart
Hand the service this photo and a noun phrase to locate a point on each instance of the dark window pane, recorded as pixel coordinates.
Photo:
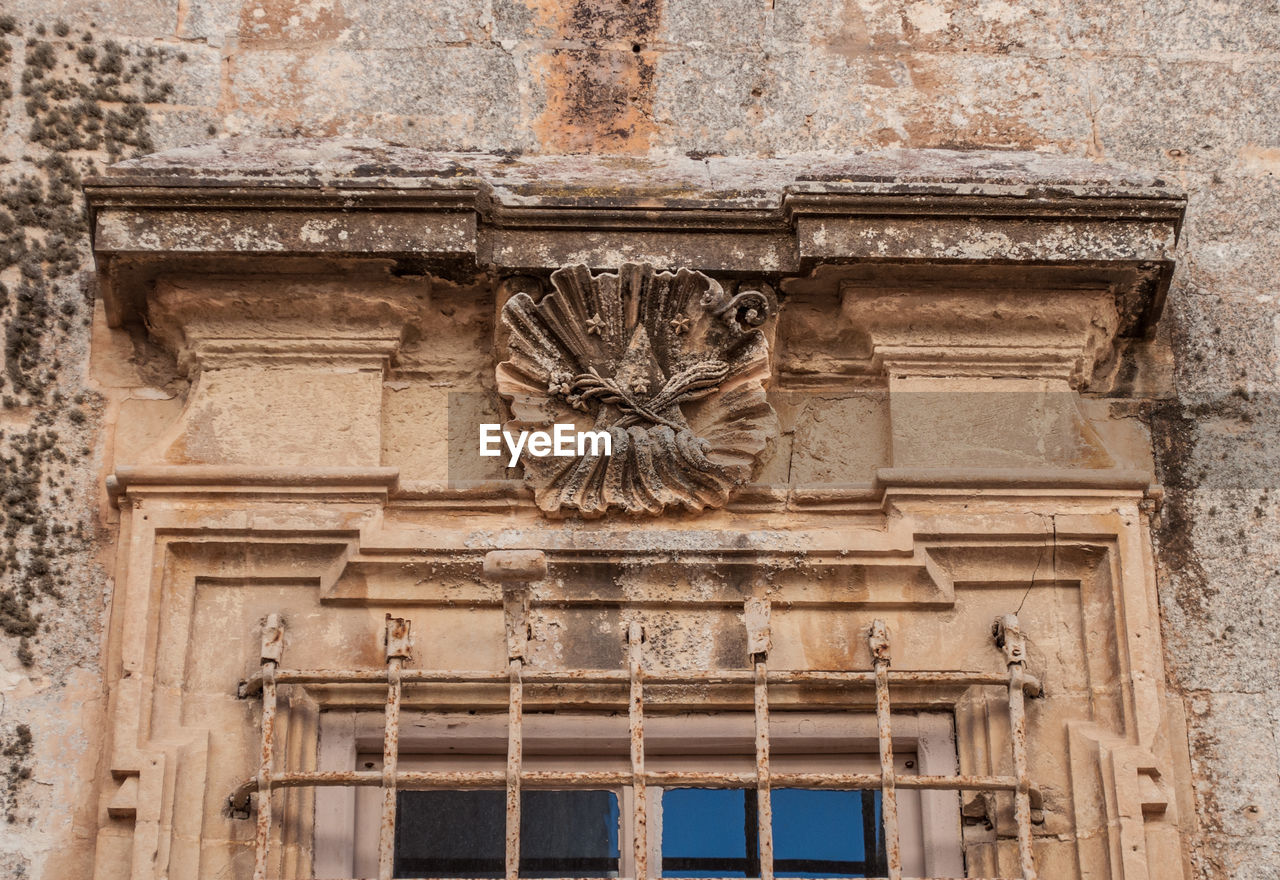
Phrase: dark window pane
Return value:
(826, 833)
(463, 833)
(709, 833)
(450, 833)
(569, 834)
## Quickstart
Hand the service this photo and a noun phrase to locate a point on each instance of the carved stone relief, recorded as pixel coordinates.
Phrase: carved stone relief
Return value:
(673, 366)
(277, 493)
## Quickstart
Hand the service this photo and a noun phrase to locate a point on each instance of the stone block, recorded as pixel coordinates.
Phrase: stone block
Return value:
(1204, 28)
(216, 22)
(1235, 757)
(411, 25)
(195, 73)
(839, 438)
(519, 21)
(1185, 97)
(415, 430)
(464, 97)
(735, 24)
(703, 100)
(144, 19)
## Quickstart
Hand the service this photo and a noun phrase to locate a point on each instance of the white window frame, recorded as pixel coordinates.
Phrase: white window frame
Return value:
(347, 818)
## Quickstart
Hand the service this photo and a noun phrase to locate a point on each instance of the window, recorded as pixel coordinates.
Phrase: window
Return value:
(919, 816)
(695, 831)
(453, 833)
(816, 833)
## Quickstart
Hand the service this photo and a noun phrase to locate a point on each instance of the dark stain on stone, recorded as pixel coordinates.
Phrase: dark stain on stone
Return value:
(600, 97)
(604, 21)
(17, 752)
(1173, 438)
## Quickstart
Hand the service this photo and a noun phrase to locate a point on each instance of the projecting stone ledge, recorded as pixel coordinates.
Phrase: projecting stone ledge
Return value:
(299, 205)
(660, 180)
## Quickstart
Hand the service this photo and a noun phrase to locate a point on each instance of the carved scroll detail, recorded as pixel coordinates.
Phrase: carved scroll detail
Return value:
(671, 365)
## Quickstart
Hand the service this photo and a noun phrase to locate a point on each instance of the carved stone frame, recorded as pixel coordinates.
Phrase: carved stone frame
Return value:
(935, 544)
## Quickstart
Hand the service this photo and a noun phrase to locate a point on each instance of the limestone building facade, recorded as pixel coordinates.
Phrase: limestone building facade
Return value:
(915, 450)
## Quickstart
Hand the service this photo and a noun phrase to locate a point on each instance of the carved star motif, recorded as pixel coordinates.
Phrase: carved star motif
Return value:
(681, 324)
(595, 325)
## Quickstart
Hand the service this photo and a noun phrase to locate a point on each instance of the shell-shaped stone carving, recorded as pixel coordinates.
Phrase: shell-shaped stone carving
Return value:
(671, 365)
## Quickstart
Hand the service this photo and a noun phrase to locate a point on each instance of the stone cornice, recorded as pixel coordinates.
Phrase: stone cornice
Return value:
(341, 205)
(488, 496)
(636, 210)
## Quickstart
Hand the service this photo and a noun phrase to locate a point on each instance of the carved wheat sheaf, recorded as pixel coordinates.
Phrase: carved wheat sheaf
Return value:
(671, 365)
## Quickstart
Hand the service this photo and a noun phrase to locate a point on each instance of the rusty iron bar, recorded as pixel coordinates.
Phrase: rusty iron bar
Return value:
(860, 781)
(252, 686)
(515, 602)
(930, 877)
(1011, 640)
(610, 676)
(515, 748)
(755, 615)
(764, 791)
(399, 644)
(490, 779)
(635, 721)
(272, 651)
(878, 639)
(832, 678)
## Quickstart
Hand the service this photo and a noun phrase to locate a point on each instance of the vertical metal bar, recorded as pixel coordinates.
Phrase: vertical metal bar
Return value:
(756, 617)
(1011, 639)
(515, 747)
(640, 816)
(398, 650)
(878, 639)
(515, 607)
(272, 650)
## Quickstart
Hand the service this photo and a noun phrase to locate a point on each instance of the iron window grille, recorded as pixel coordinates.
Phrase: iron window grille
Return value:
(266, 683)
(817, 833)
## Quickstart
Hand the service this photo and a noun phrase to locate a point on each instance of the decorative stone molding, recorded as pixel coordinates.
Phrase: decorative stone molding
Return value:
(993, 368)
(671, 365)
(282, 373)
(220, 323)
(249, 205)
(226, 552)
(941, 311)
(1057, 333)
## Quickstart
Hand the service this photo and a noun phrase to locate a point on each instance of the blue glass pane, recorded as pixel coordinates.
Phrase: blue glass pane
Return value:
(826, 833)
(705, 833)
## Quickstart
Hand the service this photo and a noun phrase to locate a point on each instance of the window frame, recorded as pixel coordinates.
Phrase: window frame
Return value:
(346, 819)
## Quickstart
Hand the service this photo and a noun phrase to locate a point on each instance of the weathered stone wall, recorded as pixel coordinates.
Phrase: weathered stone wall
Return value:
(1187, 91)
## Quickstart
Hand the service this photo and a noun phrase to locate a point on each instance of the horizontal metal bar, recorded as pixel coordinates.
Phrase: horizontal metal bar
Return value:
(403, 779)
(881, 877)
(465, 779)
(861, 781)
(253, 685)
